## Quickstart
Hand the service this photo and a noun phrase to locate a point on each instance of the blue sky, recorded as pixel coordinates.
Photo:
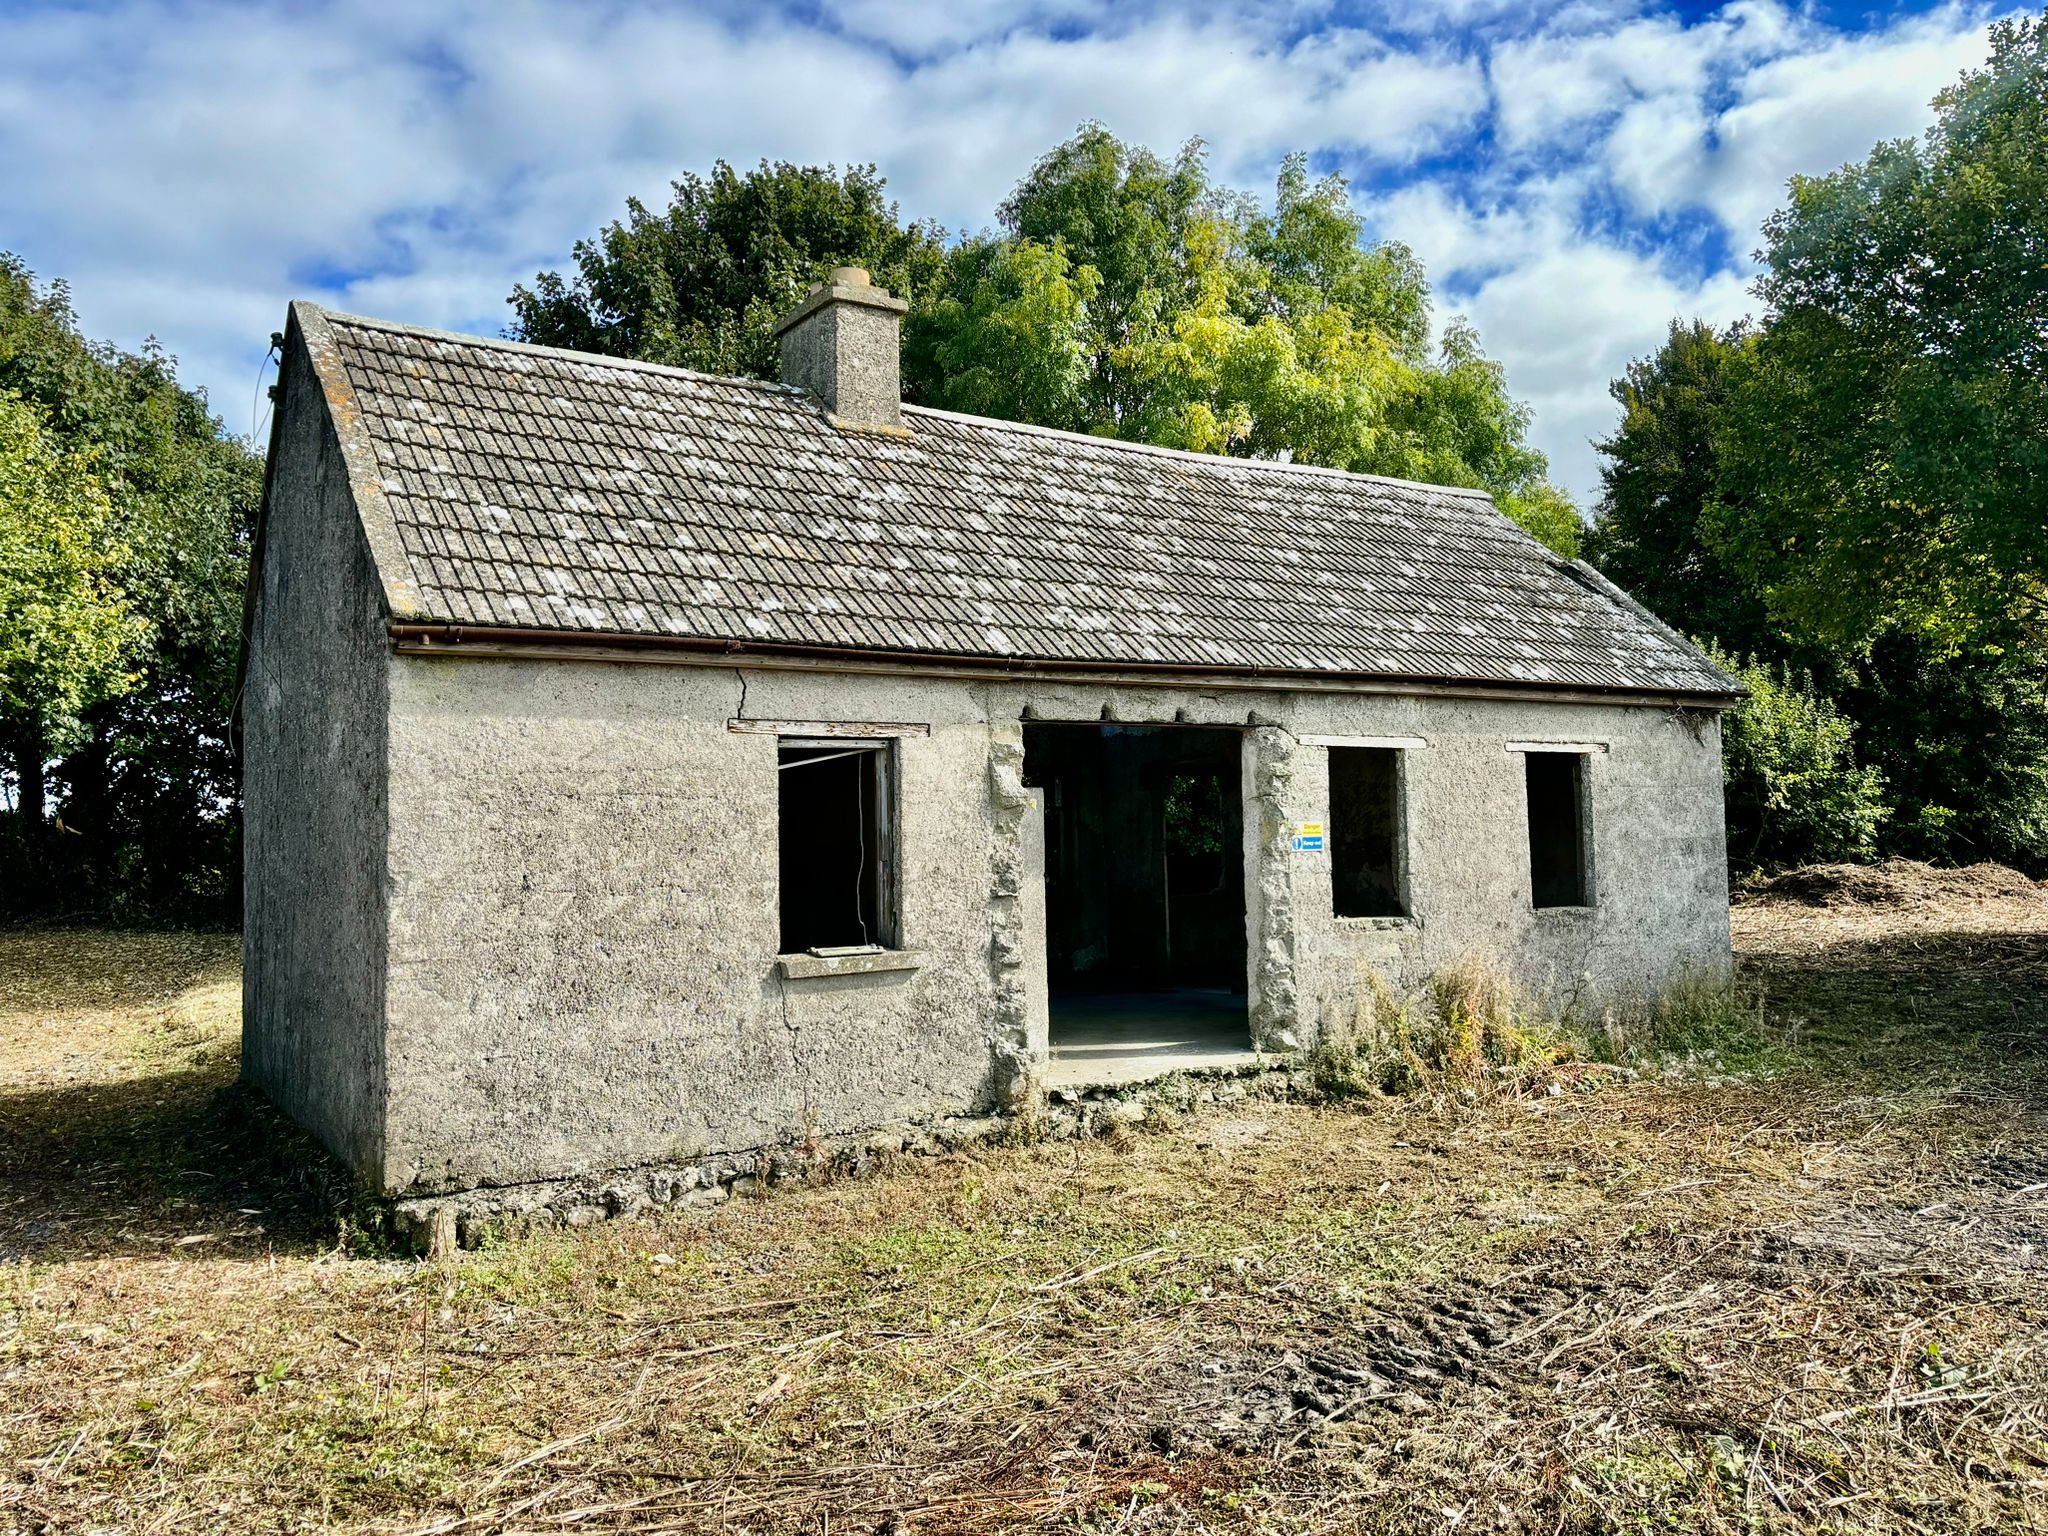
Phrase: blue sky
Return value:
(1572, 176)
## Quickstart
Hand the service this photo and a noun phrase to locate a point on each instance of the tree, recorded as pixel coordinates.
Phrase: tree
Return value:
(702, 284)
(1008, 337)
(1661, 469)
(1127, 217)
(1796, 794)
(66, 631)
(1456, 424)
(1959, 733)
(1887, 466)
(1132, 296)
(1961, 738)
(150, 786)
(1123, 294)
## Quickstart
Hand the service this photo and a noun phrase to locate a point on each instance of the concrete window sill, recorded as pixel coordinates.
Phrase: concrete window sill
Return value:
(1564, 912)
(1381, 924)
(807, 967)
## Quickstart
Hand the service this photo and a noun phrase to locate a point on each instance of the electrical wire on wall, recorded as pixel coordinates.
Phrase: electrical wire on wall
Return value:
(860, 849)
(256, 426)
(860, 842)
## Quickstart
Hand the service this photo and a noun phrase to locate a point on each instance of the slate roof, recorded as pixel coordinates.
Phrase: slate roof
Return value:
(541, 488)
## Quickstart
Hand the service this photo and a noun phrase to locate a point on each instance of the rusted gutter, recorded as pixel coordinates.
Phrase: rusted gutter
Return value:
(514, 642)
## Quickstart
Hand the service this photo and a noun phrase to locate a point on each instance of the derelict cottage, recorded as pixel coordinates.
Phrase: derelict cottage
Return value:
(643, 766)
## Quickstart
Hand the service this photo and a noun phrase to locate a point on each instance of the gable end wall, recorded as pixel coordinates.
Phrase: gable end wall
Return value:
(314, 711)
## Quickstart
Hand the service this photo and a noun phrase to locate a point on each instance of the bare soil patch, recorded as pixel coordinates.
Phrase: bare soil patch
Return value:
(1809, 1296)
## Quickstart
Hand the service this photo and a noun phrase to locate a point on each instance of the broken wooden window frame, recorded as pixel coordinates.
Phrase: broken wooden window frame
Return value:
(878, 819)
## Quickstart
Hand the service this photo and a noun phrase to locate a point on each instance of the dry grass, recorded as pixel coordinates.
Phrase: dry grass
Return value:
(75, 1008)
(1810, 1299)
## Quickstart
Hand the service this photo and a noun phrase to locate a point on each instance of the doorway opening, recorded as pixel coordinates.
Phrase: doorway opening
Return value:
(1144, 898)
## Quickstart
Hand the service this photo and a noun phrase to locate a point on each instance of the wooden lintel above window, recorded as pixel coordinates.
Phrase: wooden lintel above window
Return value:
(828, 727)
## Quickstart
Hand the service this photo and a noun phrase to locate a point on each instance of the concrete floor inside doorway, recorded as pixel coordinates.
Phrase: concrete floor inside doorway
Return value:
(1102, 1039)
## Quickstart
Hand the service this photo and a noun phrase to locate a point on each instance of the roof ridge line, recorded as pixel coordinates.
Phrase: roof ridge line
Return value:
(1004, 424)
(1628, 602)
(566, 354)
(999, 423)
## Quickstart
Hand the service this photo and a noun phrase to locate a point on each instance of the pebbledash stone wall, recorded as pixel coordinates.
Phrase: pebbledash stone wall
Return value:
(1019, 1022)
(580, 873)
(584, 929)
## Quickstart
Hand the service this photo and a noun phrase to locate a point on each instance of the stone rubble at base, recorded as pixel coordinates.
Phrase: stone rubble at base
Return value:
(434, 1224)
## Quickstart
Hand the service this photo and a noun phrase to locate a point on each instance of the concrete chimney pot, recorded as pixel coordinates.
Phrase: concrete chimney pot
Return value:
(843, 344)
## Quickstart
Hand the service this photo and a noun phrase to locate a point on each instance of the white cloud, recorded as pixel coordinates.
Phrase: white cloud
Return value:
(1571, 319)
(1715, 116)
(1818, 109)
(1656, 150)
(1401, 105)
(1552, 84)
(1564, 310)
(190, 167)
(921, 29)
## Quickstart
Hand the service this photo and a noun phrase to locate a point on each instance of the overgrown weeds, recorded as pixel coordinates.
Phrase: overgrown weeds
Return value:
(1471, 1026)
(1696, 1025)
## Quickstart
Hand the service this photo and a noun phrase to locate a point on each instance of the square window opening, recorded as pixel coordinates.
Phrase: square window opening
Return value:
(1558, 874)
(1367, 874)
(836, 845)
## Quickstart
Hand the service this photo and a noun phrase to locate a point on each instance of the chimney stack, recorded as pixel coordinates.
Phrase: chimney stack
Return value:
(843, 344)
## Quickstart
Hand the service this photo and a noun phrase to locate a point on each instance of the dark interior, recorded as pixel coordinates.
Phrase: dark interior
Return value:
(1557, 843)
(1144, 859)
(1365, 871)
(832, 845)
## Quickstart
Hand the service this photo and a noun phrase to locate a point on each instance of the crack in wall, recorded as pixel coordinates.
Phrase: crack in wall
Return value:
(796, 1056)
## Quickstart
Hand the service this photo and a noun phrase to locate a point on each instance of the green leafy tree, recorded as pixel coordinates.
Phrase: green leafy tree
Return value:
(1887, 465)
(1661, 468)
(702, 283)
(1127, 217)
(1960, 736)
(1795, 792)
(150, 788)
(1130, 295)
(1123, 293)
(66, 631)
(1962, 740)
(1456, 424)
(1007, 337)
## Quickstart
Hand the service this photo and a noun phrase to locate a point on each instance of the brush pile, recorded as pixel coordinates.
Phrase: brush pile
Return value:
(1895, 883)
